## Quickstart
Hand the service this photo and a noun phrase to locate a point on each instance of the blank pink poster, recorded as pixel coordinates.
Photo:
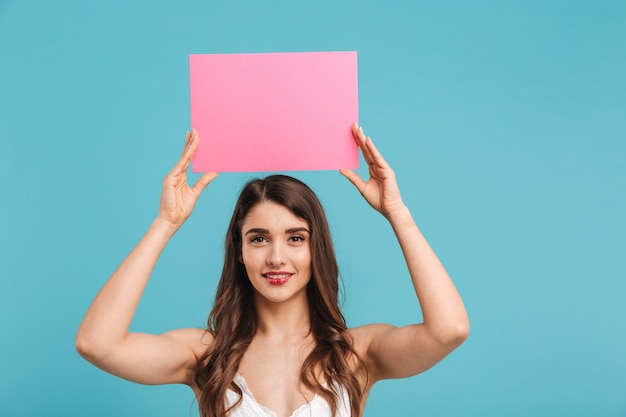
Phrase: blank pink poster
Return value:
(274, 111)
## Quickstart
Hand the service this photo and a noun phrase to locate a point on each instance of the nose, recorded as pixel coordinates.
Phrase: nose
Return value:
(276, 255)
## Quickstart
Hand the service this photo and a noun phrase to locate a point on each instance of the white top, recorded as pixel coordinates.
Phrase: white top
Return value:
(249, 407)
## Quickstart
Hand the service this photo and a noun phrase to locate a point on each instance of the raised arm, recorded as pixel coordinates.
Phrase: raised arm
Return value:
(389, 351)
(103, 337)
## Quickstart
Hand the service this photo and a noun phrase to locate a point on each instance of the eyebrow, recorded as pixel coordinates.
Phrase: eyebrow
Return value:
(288, 231)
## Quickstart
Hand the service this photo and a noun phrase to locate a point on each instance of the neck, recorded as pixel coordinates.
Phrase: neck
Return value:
(283, 320)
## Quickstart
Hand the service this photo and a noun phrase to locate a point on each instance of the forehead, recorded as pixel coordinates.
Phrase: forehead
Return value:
(270, 215)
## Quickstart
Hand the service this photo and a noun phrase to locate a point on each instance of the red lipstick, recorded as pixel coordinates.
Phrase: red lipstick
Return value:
(277, 277)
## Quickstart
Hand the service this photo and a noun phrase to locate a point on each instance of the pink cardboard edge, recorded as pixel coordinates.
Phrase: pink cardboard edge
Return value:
(274, 111)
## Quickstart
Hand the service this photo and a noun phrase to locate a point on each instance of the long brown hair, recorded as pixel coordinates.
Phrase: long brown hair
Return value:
(233, 319)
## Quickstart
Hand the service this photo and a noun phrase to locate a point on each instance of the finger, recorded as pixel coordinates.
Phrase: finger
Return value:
(361, 140)
(188, 151)
(358, 134)
(375, 155)
(203, 181)
(355, 129)
(192, 144)
(187, 140)
(354, 179)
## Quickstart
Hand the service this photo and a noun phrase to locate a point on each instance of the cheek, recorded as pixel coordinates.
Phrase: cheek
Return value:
(304, 258)
(251, 258)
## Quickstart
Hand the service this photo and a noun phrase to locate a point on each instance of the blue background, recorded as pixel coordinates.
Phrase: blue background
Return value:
(505, 123)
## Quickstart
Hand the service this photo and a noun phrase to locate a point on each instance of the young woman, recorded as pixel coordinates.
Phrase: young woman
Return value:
(276, 342)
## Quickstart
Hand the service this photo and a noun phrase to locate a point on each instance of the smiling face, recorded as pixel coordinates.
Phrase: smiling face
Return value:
(276, 253)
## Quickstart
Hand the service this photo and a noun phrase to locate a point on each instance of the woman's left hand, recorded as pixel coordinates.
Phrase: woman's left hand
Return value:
(381, 191)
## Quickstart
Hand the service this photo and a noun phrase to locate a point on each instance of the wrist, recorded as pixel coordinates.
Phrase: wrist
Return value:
(164, 227)
(400, 216)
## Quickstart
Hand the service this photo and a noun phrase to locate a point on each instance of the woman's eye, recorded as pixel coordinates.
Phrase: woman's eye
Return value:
(297, 239)
(258, 239)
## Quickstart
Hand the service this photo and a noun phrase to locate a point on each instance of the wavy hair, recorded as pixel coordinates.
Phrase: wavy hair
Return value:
(233, 319)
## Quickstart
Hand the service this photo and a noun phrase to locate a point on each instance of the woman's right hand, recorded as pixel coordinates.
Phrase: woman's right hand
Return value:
(178, 198)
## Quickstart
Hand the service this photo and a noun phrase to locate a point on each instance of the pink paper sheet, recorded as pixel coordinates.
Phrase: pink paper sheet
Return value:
(274, 111)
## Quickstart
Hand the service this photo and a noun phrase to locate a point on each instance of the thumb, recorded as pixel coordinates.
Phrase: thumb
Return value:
(203, 181)
(354, 179)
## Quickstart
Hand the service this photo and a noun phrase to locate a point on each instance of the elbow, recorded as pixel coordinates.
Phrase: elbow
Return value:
(461, 332)
(83, 346)
(453, 334)
(88, 347)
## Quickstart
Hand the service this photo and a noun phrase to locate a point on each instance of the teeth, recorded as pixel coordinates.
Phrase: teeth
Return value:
(278, 276)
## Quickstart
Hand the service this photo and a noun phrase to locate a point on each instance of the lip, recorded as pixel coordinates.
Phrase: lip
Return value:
(277, 277)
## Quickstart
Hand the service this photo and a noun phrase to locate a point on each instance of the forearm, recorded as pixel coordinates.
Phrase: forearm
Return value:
(442, 307)
(108, 319)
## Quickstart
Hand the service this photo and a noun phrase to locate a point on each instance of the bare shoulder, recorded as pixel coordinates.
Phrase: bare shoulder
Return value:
(197, 340)
(363, 336)
(362, 339)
